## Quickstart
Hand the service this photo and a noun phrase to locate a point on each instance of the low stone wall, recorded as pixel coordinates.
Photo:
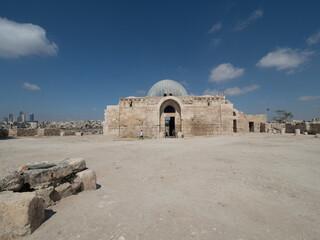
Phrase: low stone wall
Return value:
(314, 128)
(4, 133)
(26, 132)
(27, 191)
(290, 127)
(68, 132)
(51, 132)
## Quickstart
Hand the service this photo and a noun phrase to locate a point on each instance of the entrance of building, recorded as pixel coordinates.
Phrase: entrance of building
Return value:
(235, 126)
(251, 126)
(170, 126)
(170, 119)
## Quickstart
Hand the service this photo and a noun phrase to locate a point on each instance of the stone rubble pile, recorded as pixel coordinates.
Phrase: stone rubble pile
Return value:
(27, 191)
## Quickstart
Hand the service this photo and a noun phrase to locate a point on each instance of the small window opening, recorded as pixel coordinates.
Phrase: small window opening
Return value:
(130, 103)
(234, 113)
(170, 94)
(165, 94)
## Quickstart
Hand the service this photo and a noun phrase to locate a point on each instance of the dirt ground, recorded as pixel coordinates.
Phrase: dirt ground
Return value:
(251, 186)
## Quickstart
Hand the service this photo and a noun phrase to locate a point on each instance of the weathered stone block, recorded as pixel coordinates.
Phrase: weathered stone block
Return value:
(77, 164)
(297, 131)
(21, 214)
(10, 180)
(45, 194)
(88, 180)
(64, 190)
(40, 178)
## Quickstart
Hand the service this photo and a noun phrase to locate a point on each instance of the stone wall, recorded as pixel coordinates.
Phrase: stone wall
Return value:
(194, 116)
(290, 127)
(25, 132)
(4, 133)
(311, 128)
(51, 132)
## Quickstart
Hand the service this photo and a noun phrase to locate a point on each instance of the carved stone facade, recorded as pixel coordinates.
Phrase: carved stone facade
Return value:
(178, 116)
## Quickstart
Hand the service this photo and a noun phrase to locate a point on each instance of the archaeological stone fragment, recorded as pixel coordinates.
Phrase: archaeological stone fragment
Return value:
(20, 214)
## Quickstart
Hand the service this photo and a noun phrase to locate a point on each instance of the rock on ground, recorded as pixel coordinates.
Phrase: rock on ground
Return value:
(10, 180)
(88, 178)
(20, 214)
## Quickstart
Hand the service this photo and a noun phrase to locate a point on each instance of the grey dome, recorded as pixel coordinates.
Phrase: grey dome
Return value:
(167, 88)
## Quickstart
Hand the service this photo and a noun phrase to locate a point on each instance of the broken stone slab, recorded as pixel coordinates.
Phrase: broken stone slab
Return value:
(77, 164)
(40, 178)
(46, 195)
(79, 134)
(88, 179)
(64, 190)
(62, 134)
(21, 214)
(10, 180)
(283, 130)
(41, 166)
(305, 133)
(317, 135)
(297, 131)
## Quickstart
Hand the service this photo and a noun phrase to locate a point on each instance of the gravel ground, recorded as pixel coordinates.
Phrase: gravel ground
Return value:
(248, 186)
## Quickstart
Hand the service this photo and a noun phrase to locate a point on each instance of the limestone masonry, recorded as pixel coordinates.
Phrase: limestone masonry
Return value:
(167, 111)
(26, 192)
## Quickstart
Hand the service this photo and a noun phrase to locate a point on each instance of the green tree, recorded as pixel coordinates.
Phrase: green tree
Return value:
(282, 116)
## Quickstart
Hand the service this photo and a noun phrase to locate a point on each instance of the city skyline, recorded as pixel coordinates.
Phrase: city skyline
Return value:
(20, 117)
(260, 54)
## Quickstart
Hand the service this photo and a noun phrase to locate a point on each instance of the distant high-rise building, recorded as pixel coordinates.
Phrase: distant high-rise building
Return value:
(20, 117)
(23, 118)
(5, 119)
(31, 117)
(11, 117)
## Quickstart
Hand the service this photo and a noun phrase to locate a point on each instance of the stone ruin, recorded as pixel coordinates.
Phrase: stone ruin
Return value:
(305, 128)
(26, 192)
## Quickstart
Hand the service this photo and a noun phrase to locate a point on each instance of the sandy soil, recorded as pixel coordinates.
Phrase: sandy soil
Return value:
(252, 186)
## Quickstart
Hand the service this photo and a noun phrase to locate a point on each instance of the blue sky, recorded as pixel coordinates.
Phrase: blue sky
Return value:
(67, 60)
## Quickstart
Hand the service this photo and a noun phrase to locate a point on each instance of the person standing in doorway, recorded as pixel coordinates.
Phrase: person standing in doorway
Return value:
(141, 135)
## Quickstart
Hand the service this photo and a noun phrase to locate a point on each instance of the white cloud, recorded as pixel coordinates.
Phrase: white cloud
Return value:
(216, 41)
(216, 27)
(285, 58)
(224, 72)
(30, 86)
(23, 39)
(308, 98)
(211, 92)
(237, 91)
(313, 39)
(258, 13)
(232, 91)
(184, 83)
(141, 92)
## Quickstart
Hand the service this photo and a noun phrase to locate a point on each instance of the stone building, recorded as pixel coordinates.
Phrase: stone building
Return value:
(167, 110)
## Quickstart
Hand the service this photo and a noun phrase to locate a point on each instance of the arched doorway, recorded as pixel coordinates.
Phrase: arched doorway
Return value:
(170, 130)
(170, 118)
